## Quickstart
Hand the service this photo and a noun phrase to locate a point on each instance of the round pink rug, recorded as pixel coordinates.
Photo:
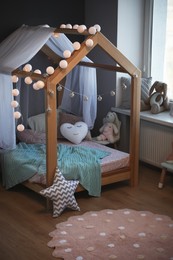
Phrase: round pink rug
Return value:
(114, 234)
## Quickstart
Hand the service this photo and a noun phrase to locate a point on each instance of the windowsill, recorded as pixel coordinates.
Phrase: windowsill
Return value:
(162, 118)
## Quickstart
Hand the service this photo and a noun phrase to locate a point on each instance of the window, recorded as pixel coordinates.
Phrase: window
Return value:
(162, 43)
(168, 58)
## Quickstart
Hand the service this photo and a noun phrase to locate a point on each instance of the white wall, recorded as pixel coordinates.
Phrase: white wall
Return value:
(130, 35)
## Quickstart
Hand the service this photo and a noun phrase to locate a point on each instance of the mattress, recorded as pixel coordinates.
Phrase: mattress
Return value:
(28, 162)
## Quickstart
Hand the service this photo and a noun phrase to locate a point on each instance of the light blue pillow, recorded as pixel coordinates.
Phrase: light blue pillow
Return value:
(126, 90)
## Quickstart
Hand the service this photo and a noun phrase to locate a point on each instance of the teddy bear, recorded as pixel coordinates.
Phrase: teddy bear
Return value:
(110, 130)
(158, 100)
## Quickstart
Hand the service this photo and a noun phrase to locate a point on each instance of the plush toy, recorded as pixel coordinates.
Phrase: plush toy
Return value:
(158, 100)
(110, 131)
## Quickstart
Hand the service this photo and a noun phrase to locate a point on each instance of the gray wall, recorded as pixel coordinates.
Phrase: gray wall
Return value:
(103, 13)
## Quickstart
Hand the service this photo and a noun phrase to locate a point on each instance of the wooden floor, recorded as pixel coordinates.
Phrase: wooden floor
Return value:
(25, 223)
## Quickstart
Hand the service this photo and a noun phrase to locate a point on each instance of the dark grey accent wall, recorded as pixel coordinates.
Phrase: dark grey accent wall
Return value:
(38, 12)
(54, 13)
(103, 13)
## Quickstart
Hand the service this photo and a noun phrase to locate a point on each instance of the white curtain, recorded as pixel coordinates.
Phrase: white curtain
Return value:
(16, 50)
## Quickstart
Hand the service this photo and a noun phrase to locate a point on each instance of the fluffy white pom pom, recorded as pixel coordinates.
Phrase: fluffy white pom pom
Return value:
(81, 28)
(17, 114)
(15, 92)
(98, 28)
(27, 67)
(20, 128)
(66, 54)
(28, 80)
(14, 103)
(14, 79)
(75, 26)
(37, 71)
(92, 30)
(89, 43)
(50, 70)
(63, 64)
(35, 86)
(68, 26)
(62, 26)
(76, 46)
(40, 84)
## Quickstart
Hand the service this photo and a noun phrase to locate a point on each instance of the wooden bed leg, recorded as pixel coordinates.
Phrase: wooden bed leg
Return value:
(162, 178)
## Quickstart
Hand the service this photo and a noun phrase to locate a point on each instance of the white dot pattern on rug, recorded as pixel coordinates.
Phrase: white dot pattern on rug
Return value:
(113, 234)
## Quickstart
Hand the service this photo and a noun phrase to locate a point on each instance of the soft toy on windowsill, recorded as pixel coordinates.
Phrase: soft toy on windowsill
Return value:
(110, 131)
(158, 100)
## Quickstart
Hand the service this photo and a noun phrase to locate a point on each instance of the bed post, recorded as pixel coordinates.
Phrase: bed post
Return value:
(135, 127)
(51, 132)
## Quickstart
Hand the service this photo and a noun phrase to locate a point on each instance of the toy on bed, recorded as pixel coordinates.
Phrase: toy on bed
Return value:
(158, 100)
(110, 130)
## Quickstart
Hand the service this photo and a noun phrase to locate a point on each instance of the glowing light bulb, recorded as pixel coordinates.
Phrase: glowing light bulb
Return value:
(63, 64)
(20, 128)
(17, 114)
(15, 92)
(50, 70)
(14, 103)
(14, 79)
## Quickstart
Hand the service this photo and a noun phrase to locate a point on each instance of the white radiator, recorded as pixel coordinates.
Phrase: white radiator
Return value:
(155, 142)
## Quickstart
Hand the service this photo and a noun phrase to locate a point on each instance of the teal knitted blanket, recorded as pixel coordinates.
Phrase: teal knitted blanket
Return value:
(75, 162)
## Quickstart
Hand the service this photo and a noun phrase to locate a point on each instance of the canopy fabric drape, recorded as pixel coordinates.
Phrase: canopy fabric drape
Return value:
(20, 47)
(81, 80)
(16, 50)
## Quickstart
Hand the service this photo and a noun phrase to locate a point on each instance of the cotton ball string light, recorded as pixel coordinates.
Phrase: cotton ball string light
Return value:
(112, 93)
(67, 54)
(50, 70)
(15, 92)
(14, 103)
(35, 87)
(92, 30)
(81, 28)
(14, 79)
(62, 26)
(59, 88)
(71, 94)
(17, 114)
(68, 26)
(76, 46)
(63, 64)
(37, 71)
(98, 28)
(27, 67)
(28, 80)
(40, 84)
(75, 26)
(89, 43)
(99, 98)
(20, 128)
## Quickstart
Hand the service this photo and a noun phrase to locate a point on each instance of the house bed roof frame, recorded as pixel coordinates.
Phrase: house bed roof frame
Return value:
(51, 81)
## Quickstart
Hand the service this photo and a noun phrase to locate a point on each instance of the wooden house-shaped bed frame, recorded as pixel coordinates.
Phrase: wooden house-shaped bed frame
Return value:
(123, 65)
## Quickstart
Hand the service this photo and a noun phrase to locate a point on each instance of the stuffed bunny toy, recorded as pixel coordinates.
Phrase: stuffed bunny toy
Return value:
(108, 132)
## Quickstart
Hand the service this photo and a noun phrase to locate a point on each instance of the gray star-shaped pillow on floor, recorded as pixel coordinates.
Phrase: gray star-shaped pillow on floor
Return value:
(61, 192)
